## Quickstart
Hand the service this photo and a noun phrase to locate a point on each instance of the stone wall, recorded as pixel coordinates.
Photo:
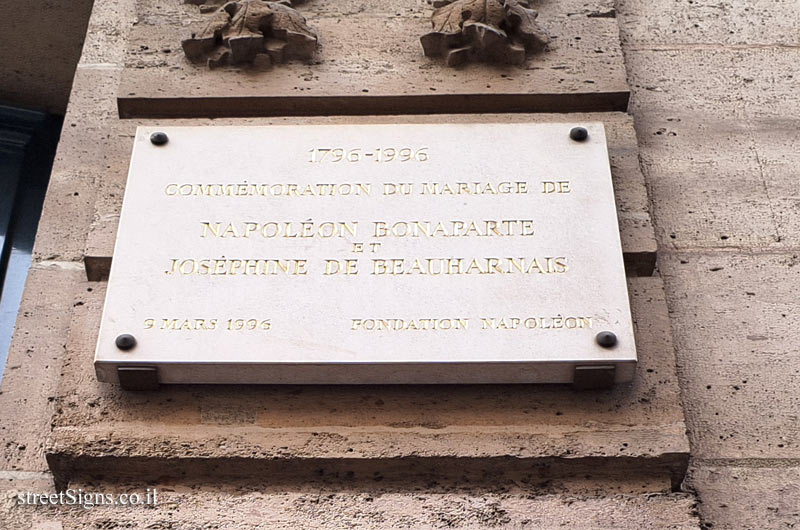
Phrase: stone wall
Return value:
(41, 46)
(716, 121)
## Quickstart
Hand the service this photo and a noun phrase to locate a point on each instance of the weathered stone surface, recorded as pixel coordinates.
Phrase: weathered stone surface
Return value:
(703, 137)
(41, 46)
(28, 386)
(348, 503)
(81, 162)
(370, 63)
(755, 494)
(694, 23)
(715, 82)
(95, 148)
(715, 103)
(109, 26)
(692, 164)
(77, 168)
(737, 353)
(636, 231)
(34, 363)
(70, 195)
(632, 429)
(26, 517)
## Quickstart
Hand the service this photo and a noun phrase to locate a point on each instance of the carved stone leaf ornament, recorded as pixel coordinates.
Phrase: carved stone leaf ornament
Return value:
(500, 31)
(246, 31)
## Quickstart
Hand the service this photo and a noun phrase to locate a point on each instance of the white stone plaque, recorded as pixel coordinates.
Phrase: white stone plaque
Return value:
(468, 253)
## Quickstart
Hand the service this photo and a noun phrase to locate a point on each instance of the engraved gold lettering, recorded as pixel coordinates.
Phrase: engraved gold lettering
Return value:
(238, 267)
(346, 267)
(287, 229)
(454, 228)
(559, 186)
(411, 324)
(474, 188)
(533, 323)
(184, 324)
(458, 266)
(269, 190)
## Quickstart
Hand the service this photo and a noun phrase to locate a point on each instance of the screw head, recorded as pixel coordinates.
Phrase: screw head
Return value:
(159, 138)
(126, 342)
(579, 134)
(606, 339)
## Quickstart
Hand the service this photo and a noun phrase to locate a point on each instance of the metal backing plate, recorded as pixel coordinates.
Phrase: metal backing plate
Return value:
(469, 253)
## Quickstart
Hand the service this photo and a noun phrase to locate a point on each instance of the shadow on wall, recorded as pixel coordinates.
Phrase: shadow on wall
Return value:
(28, 142)
(44, 43)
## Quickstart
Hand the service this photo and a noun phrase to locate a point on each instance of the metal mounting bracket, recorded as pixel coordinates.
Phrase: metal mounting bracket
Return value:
(594, 377)
(138, 377)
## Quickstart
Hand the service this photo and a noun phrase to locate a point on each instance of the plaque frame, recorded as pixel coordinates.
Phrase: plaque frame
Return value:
(587, 371)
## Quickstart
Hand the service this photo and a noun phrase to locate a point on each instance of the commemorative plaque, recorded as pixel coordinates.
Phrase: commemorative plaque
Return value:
(464, 253)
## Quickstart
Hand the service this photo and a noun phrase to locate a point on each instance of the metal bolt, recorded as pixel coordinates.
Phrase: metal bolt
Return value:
(159, 138)
(579, 134)
(606, 339)
(126, 342)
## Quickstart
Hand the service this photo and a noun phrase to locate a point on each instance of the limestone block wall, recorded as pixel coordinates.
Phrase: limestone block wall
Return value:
(715, 117)
(716, 114)
(41, 45)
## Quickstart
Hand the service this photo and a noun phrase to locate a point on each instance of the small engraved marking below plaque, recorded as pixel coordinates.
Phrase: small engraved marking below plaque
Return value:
(464, 253)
